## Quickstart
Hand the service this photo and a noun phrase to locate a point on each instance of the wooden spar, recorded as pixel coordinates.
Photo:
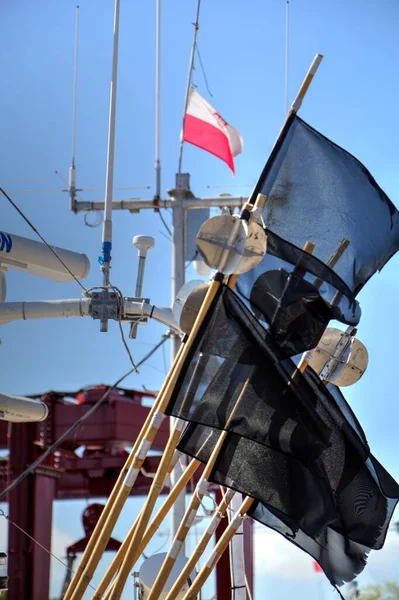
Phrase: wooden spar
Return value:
(194, 504)
(131, 554)
(332, 261)
(218, 550)
(202, 544)
(104, 527)
(150, 531)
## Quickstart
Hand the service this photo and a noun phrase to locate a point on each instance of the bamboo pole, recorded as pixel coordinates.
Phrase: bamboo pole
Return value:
(103, 529)
(131, 554)
(168, 390)
(202, 544)
(194, 504)
(150, 531)
(218, 550)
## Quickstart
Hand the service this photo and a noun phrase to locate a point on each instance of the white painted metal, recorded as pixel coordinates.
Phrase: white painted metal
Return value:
(149, 570)
(137, 204)
(18, 409)
(158, 103)
(178, 276)
(188, 303)
(109, 180)
(33, 257)
(143, 243)
(51, 309)
(339, 358)
(237, 561)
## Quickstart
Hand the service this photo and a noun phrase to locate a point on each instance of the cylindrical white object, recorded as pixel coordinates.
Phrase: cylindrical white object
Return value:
(19, 409)
(34, 257)
(237, 561)
(150, 569)
(51, 309)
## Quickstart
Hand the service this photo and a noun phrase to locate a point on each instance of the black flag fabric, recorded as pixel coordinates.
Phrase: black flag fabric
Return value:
(232, 350)
(320, 193)
(293, 444)
(317, 192)
(338, 525)
(296, 295)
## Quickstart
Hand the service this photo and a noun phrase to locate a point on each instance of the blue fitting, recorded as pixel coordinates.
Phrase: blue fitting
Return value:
(106, 253)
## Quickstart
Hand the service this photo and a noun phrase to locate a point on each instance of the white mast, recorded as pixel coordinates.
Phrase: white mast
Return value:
(109, 181)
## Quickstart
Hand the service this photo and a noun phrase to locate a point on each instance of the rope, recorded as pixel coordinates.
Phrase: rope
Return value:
(41, 237)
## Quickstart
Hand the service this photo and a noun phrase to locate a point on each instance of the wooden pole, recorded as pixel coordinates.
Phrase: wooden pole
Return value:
(150, 531)
(104, 527)
(194, 504)
(202, 544)
(218, 550)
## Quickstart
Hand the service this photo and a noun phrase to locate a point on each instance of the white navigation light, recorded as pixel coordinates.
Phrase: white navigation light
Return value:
(27, 255)
(19, 409)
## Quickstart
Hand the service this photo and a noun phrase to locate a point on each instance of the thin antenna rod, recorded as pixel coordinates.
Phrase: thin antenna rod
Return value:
(190, 75)
(72, 169)
(158, 103)
(105, 258)
(75, 83)
(287, 51)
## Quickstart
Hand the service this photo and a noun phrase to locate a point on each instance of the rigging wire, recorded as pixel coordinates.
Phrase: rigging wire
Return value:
(165, 223)
(41, 237)
(203, 70)
(3, 514)
(77, 424)
(190, 74)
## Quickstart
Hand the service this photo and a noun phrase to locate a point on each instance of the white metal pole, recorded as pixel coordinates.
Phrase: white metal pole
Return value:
(190, 74)
(158, 103)
(72, 169)
(177, 273)
(109, 181)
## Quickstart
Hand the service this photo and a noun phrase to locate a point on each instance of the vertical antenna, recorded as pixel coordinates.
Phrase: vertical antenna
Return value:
(287, 50)
(158, 103)
(190, 75)
(72, 170)
(105, 258)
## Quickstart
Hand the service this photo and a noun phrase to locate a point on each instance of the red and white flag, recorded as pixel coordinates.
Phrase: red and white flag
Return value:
(205, 128)
(317, 567)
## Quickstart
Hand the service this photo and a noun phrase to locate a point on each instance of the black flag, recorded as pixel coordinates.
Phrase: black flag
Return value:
(293, 444)
(320, 193)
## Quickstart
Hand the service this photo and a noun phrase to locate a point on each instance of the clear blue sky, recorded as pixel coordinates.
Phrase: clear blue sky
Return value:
(353, 100)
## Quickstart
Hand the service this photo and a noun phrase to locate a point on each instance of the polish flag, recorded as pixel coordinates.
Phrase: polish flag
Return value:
(205, 128)
(317, 567)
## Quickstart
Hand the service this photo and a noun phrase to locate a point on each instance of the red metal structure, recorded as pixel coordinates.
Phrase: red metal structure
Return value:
(85, 466)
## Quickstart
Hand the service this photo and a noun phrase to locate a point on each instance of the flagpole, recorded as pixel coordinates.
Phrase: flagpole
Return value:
(106, 248)
(287, 50)
(296, 105)
(190, 76)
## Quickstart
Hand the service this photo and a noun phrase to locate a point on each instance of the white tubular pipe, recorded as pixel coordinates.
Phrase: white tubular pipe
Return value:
(34, 257)
(137, 204)
(141, 309)
(22, 311)
(237, 563)
(18, 409)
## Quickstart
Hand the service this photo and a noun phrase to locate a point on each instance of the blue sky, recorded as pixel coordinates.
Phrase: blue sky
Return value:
(352, 100)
